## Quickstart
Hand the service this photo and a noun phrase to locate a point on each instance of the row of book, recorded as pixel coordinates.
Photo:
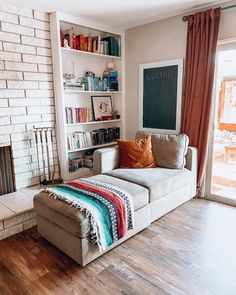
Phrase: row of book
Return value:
(77, 140)
(95, 84)
(110, 45)
(78, 115)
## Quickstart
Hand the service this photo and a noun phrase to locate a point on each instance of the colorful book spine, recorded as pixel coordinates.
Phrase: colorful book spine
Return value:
(110, 45)
(90, 139)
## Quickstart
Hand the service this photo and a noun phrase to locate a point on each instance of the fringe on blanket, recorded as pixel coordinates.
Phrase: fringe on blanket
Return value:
(94, 234)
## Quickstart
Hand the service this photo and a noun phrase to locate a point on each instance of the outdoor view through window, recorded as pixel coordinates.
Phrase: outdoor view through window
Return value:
(224, 151)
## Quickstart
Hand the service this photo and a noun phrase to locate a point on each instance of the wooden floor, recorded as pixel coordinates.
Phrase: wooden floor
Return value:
(192, 250)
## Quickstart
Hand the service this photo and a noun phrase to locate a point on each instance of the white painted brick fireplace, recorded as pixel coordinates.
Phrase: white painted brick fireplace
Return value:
(26, 86)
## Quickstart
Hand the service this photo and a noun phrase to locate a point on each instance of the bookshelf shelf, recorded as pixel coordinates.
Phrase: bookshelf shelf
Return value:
(66, 90)
(77, 63)
(89, 54)
(82, 172)
(94, 122)
(92, 147)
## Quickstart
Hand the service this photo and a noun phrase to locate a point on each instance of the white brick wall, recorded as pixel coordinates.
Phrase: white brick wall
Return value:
(3, 84)
(9, 75)
(16, 10)
(10, 56)
(44, 68)
(4, 139)
(9, 37)
(26, 86)
(38, 59)
(44, 51)
(45, 85)
(11, 18)
(20, 66)
(19, 48)
(35, 41)
(22, 85)
(3, 103)
(38, 93)
(6, 93)
(18, 29)
(42, 34)
(37, 76)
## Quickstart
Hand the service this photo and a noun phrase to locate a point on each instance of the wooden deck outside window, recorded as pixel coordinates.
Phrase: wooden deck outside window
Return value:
(227, 105)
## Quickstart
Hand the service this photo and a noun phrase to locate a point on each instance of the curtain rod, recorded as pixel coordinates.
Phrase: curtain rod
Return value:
(185, 17)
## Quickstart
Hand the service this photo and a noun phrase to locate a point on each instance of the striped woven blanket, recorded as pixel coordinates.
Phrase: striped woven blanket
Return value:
(109, 209)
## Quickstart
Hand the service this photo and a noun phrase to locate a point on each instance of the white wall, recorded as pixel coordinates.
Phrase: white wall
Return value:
(26, 85)
(161, 40)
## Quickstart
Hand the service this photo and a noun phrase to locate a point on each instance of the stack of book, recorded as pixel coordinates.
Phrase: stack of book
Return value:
(75, 164)
(81, 162)
(113, 81)
(110, 45)
(95, 83)
(77, 140)
(73, 85)
(78, 115)
(88, 161)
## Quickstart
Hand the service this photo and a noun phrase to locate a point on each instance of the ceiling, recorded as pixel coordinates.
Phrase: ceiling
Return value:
(121, 13)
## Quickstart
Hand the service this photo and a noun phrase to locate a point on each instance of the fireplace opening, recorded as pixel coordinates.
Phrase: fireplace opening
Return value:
(7, 181)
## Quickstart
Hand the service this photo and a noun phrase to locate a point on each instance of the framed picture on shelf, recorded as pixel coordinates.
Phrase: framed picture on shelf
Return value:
(102, 107)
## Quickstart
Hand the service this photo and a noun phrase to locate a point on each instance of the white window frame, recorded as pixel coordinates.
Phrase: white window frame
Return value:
(222, 45)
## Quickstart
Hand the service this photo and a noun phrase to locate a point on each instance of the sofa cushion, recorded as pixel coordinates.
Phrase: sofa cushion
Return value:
(159, 181)
(140, 194)
(75, 221)
(136, 153)
(168, 150)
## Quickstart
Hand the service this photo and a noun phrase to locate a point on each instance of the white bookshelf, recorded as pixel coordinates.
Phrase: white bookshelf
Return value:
(67, 90)
(94, 122)
(90, 54)
(77, 62)
(92, 147)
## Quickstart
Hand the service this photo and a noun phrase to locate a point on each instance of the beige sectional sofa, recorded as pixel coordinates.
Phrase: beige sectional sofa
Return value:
(155, 191)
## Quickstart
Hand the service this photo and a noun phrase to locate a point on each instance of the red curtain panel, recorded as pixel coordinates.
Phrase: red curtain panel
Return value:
(202, 36)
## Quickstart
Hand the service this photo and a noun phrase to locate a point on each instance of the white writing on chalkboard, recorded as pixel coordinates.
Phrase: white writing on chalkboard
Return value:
(161, 75)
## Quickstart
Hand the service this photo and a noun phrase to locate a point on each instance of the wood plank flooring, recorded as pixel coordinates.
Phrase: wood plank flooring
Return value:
(191, 250)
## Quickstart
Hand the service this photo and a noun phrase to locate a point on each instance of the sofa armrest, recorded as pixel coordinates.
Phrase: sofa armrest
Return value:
(105, 160)
(191, 160)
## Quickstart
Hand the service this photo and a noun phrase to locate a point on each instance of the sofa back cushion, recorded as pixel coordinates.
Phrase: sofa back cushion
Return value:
(136, 153)
(168, 150)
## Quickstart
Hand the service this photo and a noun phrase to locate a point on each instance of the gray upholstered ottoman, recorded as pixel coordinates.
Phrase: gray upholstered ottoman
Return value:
(68, 228)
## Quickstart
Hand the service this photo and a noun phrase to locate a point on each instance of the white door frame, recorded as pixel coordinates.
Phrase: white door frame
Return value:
(222, 45)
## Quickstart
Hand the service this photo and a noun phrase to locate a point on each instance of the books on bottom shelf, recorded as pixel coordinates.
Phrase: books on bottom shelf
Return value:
(78, 115)
(77, 140)
(86, 161)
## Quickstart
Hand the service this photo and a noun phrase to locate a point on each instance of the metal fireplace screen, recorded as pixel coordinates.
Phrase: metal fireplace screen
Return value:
(7, 184)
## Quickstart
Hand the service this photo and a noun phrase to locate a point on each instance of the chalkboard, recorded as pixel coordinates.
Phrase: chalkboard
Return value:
(160, 96)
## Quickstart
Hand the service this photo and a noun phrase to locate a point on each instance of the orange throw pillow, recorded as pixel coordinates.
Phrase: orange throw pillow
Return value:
(136, 153)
